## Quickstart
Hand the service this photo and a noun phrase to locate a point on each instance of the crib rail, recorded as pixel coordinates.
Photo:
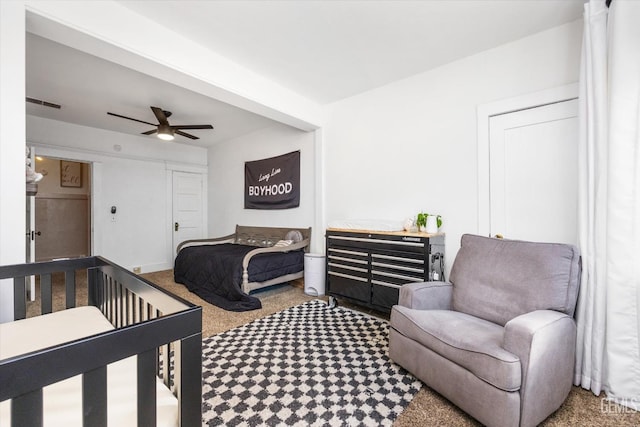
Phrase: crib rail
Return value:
(148, 322)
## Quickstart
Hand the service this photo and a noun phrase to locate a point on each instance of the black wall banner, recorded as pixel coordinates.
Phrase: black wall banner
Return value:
(273, 183)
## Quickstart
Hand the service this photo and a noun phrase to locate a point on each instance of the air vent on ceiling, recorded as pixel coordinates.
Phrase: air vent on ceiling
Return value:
(44, 103)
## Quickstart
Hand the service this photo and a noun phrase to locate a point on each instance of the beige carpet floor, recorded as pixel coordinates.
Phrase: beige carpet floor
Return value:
(428, 408)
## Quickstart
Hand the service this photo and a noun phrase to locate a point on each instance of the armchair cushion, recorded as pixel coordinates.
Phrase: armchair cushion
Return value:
(497, 279)
(468, 341)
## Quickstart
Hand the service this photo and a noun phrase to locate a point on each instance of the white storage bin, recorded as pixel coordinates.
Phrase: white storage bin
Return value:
(314, 274)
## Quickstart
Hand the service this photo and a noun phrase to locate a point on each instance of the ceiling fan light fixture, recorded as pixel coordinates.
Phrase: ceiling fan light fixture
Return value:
(165, 133)
(163, 129)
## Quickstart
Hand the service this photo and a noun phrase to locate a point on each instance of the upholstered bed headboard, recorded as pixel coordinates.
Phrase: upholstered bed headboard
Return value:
(268, 236)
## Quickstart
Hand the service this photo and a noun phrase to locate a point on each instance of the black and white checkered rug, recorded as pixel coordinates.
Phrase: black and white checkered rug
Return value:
(304, 366)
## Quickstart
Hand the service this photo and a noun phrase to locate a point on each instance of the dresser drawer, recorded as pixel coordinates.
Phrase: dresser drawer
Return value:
(350, 286)
(377, 243)
(384, 294)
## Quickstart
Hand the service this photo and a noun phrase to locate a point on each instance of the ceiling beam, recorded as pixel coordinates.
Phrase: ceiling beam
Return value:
(117, 34)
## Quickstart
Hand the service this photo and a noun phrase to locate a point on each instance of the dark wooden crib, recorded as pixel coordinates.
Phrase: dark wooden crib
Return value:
(148, 322)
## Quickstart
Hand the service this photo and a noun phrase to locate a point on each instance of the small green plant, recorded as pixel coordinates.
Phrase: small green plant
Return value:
(421, 219)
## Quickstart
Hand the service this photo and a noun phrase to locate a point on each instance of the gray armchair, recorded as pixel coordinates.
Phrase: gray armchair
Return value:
(498, 340)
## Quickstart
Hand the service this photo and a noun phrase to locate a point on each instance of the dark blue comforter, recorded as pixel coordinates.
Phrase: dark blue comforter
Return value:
(214, 272)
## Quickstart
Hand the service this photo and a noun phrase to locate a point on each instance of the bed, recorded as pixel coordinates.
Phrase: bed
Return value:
(224, 270)
(131, 357)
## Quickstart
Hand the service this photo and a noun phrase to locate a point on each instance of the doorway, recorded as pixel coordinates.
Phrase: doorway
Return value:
(188, 207)
(61, 210)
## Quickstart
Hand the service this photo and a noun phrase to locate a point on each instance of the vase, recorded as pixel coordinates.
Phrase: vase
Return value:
(432, 224)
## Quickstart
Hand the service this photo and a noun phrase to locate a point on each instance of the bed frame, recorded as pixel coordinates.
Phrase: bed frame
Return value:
(149, 322)
(265, 237)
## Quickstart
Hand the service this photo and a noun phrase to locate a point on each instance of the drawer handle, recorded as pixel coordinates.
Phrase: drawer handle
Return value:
(355, 261)
(348, 267)
(348, 276)
(343, 251)
(388, 285)
(399, 267)
(378, 241)
(397, 258)
(398, 276)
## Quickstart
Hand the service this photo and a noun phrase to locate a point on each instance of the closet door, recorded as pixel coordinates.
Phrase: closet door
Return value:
(534, 173)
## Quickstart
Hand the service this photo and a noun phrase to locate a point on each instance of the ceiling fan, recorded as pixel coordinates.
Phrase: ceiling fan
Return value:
(165, 130)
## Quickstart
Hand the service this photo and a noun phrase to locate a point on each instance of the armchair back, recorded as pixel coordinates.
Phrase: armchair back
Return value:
(499, 279)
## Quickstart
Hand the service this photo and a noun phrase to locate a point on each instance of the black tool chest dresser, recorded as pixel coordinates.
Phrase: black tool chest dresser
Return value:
(369, 267)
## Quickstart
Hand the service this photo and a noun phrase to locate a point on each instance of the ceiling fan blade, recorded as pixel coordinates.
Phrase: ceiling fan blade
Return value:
(150, 132)
(129, 118)
(186, 134)
(192, 127)
(159, 112)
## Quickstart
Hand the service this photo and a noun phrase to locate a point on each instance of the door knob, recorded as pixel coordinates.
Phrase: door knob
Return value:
(176, 226)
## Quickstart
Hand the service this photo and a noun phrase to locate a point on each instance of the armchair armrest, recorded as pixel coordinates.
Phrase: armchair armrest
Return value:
(545, 342)
(426, 296)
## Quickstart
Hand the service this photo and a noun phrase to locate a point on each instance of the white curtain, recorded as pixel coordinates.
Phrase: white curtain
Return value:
(592, 196)
(608, 351)
(623, 210)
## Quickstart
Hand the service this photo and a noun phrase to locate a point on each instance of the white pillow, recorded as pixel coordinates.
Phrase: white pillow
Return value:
(294, 235)
(281, 243)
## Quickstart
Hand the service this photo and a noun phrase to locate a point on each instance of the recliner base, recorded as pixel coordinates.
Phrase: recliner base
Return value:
(484, 402)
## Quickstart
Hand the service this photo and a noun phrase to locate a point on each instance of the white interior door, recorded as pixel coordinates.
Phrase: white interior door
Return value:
(533, 182)
(188, 207)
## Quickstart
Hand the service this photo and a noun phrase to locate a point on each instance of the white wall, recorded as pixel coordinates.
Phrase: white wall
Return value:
(136, 179)
(412, 144)
(12, 147)
(226, 180)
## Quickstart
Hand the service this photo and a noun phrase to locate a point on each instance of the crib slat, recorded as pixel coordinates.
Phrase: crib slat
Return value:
(166, 361)
(188, 379)
(110, 297)
(46, 294)
(19, 298)
(120, 305)
(147, 389)
(94, 398)
(95, 291)
(116, 304)
(140, 310)
(70, 288)
(26, 410)
(127, 305)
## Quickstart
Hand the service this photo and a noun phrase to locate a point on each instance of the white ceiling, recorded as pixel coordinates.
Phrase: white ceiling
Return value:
(324, 50)
(87, 87)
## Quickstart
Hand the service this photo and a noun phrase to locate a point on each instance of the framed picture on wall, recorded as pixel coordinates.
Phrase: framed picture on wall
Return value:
(70, 174)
